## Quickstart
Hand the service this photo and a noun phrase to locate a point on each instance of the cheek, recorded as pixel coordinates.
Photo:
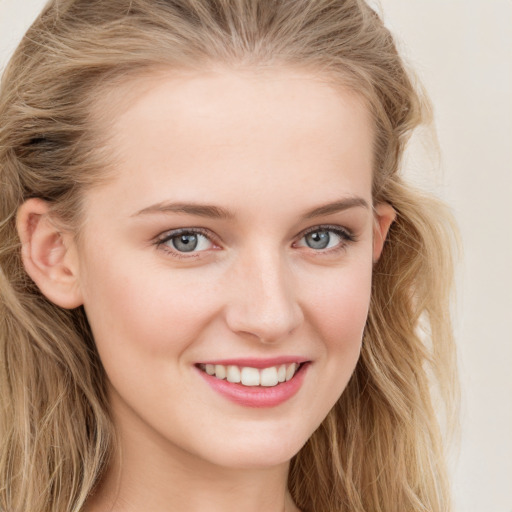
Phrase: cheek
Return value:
(337, 313)
(339, 305)
(145, 309)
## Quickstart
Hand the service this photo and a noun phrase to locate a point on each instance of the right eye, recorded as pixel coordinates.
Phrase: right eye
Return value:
(185, 241)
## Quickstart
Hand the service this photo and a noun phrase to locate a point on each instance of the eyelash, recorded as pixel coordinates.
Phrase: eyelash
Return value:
(344, 234)
(162, 240)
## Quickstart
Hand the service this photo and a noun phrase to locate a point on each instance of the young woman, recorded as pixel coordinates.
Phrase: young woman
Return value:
(217, 292)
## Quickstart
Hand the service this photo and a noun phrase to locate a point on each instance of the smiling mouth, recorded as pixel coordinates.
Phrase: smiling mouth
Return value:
(252, 377)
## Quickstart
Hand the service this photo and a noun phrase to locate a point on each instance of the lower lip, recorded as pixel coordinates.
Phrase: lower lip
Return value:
(257, 396)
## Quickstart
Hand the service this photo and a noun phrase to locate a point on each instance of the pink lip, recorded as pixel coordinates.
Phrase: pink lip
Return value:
(256, 396)
(258, 363)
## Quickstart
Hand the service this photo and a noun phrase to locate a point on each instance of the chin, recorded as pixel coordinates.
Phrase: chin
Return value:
(258, 451)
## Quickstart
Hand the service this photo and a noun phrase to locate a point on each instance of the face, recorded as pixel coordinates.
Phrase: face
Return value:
(236, 237)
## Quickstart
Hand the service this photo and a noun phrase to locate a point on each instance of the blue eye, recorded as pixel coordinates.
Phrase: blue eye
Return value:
(186, 241)
(190, 241)
(321, 239)
(318, 239)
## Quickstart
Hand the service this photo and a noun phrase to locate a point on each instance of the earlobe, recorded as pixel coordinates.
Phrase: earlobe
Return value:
(384, 217)
(48, 255)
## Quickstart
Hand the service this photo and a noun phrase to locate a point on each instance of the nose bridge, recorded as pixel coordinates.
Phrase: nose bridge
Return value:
(263, 302)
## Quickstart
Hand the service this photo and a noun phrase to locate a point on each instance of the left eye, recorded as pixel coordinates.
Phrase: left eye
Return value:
(322, 239)
(187, 241)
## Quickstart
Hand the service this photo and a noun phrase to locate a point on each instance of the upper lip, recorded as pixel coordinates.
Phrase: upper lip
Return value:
(258, 362)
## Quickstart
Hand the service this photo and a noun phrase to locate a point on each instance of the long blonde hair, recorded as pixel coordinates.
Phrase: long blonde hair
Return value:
(380, 448)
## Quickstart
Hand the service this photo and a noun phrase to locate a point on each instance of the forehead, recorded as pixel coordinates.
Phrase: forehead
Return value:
(275, 129)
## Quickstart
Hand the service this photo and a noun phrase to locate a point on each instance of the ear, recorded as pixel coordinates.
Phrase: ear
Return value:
(48, 254)
(384, 217)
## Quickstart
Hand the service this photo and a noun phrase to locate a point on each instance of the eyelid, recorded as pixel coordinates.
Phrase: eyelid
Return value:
(170, 233)
(165, 236)
(328, 227)
(344, 233)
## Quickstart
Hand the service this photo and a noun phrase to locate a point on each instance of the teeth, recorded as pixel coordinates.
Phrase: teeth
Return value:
(220, 371)
(233, 374)
(249, 376)
(268, 377)
(281, 373)
(290, 371)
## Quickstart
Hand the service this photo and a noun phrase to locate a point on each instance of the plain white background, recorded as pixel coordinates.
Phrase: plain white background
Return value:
(462, 51)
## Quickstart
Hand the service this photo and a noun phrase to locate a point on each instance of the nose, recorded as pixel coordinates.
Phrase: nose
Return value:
(262, 298)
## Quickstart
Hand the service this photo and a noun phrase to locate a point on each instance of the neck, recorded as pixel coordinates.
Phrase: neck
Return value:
(149, 488)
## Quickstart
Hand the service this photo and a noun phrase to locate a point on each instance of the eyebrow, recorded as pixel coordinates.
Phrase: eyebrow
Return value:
(337, 206)
(201, 210)
(217, 212)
